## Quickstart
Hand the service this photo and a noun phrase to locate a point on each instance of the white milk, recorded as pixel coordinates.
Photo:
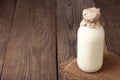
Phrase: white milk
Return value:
(90, 45)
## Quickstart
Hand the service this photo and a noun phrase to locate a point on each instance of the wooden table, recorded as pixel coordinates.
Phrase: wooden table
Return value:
(37, 35)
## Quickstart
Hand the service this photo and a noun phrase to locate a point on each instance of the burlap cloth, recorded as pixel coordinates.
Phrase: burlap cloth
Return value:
(109, 71)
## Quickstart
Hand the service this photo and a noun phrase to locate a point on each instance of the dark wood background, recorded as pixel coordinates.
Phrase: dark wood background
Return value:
(37, 35)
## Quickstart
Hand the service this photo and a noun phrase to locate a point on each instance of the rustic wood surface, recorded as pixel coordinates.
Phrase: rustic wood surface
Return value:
(6, 20)
(37, 35)
(31, 50)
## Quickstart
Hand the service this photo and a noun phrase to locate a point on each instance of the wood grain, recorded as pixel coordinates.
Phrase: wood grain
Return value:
(110, 14)
(68, 19)
(31, 51)
(43, 40)
(6, 18)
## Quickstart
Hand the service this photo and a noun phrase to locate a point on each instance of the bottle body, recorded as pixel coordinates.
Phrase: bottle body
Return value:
(90, 46)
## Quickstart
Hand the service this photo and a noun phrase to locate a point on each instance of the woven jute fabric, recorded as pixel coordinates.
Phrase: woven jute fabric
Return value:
(109, 71)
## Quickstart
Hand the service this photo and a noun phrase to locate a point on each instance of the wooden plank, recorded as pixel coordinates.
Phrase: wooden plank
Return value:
(31, 53)
(17, 62)
(44, 39)
(68, 19)
(7, 9)
(110, 14)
